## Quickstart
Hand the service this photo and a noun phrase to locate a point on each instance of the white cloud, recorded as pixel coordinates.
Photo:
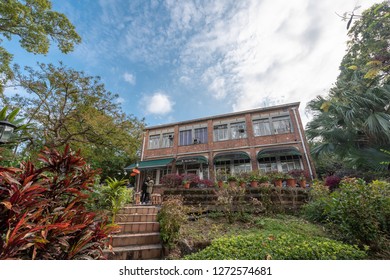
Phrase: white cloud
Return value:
(158, 103)
(249, 53)
(130, 78)
(120, 100)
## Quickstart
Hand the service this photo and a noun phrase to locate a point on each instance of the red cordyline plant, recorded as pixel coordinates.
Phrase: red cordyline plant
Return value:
(43, 210)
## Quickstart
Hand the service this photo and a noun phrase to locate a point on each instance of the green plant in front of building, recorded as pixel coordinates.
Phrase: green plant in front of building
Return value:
(357, 213)
(111, 196)
(171, 216)
(43, 211)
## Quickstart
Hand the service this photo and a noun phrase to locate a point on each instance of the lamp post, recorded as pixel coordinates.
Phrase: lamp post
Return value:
(6, 130)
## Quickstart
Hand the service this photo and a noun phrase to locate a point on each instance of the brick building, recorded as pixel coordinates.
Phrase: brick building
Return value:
(268, 139)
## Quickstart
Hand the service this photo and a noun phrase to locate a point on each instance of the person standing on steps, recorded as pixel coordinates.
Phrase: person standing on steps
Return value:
(149, 189)
(144, 189)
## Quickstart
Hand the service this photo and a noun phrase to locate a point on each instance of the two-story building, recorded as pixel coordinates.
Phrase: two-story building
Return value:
(264, 139)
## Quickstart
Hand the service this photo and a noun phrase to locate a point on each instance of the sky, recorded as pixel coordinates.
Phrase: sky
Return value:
(172, 61)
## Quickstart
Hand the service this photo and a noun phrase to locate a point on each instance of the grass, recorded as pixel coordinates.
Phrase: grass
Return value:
(196, 234)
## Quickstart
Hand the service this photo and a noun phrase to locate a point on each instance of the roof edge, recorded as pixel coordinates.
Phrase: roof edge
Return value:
(226, 115)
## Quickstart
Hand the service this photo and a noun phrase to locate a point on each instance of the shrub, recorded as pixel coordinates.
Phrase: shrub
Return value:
(357, 213)
(206, 183)
(319, 198)
(284, 246)
(332, 182)
(231, 201)
(171, 180)
(111, 197)
(171, 215)
(360, 213)
(43, 211)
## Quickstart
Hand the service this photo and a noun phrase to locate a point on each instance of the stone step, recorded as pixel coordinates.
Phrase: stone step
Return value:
(120, 218)
(139, 227)
(121, 240)
(135, 252)
(140, 210)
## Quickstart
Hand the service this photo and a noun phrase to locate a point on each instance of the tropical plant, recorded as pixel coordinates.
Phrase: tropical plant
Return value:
(114, 195)
(43, 212)
(353, 122)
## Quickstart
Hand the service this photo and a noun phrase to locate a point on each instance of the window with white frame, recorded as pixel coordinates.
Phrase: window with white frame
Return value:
(280, 163)
(238, 130)
(185, 137)
(281, 125)
(167, 140)
(268, 164)
(221, 132)
(241, 166)
(261, 127)
(154, 141)
(289, 163)
(200, 134)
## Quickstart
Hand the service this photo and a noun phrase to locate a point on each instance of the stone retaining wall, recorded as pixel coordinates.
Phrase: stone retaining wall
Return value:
(283, 199)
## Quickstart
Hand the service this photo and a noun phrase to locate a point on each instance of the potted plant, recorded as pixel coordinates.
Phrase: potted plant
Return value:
(299, 176)
(232, 180)
(290, 181)
(263, 178)
(277, 178)
(186, 184)
(188, 179)
(220, 177)
(254, 178)
(243, 179)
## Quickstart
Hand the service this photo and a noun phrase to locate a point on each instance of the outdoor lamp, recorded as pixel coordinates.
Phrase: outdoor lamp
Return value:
(6, 130)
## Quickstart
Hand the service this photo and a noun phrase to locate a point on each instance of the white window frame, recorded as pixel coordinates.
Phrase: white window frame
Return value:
(235, 130)
(154, 141)
(167, 140)
(262, 127)
(221, 132)
(281, 125)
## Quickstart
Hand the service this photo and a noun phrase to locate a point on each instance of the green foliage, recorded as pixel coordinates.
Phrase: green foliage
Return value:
(358, 213)
(35, 24)
(283, 246)
(43, 211)
(111, 197)
(353, 122)
(231, 202)
(171, 216)
(68, 107)
(319, 198)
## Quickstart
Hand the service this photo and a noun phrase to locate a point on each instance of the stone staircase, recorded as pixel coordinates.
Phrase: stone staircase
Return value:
(139, 236)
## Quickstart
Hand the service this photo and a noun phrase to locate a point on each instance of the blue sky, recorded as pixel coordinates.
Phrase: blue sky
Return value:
(172, 60)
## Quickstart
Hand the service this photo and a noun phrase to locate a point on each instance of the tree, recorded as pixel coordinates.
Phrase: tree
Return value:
(353, 121)
(36, 24)
(66, 106)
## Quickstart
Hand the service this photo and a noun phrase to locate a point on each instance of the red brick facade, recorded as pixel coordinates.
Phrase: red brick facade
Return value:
(249, 144)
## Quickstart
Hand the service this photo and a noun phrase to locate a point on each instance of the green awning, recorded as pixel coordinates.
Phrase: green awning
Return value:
(191, 160)
(231, 156)
(278, 152)
(148, 164)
